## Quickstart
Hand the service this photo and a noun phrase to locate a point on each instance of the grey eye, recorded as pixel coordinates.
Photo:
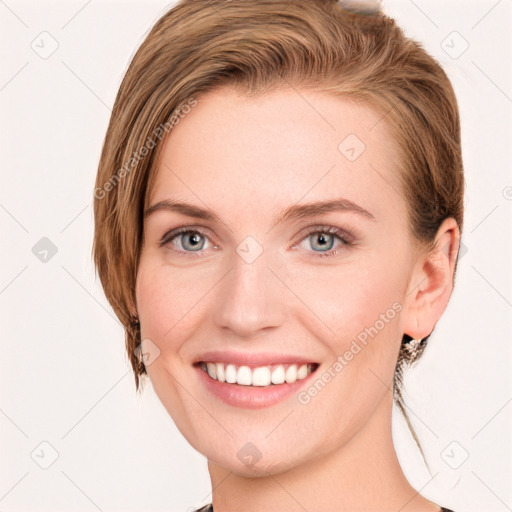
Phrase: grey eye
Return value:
(326, 241)
(191, 240)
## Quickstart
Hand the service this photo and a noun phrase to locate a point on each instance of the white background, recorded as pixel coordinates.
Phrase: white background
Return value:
(65, 378)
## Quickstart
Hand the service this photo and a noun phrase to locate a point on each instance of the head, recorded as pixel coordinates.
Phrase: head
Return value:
(245, 109)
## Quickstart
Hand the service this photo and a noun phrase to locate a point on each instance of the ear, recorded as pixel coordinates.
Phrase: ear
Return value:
(431, 282)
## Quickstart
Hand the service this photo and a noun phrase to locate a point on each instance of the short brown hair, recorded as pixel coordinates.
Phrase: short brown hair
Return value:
(258, 46)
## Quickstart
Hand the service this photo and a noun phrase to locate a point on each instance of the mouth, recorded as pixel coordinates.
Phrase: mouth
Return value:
(257, 376)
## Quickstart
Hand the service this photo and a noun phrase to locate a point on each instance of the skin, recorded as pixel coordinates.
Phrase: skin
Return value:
(247, 159)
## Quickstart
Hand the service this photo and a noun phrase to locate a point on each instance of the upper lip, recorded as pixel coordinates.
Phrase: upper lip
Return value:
(250, 359)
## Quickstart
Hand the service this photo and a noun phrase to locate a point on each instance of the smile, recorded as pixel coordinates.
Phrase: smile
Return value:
(260, 376)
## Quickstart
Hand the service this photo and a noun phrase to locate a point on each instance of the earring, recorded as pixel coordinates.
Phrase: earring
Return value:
(135, 334)
(412, 348)
(412, 344)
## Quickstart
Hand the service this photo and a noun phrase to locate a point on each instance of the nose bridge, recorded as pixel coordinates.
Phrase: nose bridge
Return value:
(249, 298)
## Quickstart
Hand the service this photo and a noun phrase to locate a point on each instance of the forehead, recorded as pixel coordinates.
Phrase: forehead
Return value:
(288, 146)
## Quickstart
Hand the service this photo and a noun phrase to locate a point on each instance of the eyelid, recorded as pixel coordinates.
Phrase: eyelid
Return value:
(342, 233)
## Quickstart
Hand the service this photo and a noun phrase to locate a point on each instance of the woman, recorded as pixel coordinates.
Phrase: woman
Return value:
(278, 209)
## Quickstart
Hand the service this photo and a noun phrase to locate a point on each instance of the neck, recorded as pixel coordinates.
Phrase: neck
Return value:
(363, 474)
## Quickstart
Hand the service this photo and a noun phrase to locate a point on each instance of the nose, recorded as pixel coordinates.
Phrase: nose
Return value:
(250, 298)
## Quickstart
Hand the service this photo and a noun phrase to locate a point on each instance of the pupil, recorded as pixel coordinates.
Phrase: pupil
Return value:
(323, 240)
(192, 240)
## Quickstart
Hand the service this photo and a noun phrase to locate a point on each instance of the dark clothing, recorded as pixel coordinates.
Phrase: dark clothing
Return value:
(209, 508)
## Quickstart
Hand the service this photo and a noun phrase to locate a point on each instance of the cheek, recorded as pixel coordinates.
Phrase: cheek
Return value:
(345, 299)
(154, 301)
(360, 302)
(169, 299)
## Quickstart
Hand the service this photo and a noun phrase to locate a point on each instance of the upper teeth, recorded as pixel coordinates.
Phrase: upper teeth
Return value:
(260, 376)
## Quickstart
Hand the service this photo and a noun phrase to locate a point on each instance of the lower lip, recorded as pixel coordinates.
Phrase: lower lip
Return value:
(251, 397)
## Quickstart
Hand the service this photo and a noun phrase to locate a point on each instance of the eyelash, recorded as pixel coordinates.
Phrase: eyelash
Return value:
(343, 236)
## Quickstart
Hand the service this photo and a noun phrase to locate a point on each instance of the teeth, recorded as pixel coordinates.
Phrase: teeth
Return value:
(291, 374)
(212, 370)
(302, 372)
(230, 373)
(261, 376)
(244, 376)
(278, 375)
(220, 372)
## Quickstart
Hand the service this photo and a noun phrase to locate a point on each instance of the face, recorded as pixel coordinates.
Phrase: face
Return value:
(268, 288)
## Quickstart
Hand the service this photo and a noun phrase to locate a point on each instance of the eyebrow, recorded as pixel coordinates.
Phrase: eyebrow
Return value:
(294, 212)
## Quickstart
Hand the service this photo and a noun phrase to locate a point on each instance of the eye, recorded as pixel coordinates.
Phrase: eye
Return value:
(322, 239)
(191, 241)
